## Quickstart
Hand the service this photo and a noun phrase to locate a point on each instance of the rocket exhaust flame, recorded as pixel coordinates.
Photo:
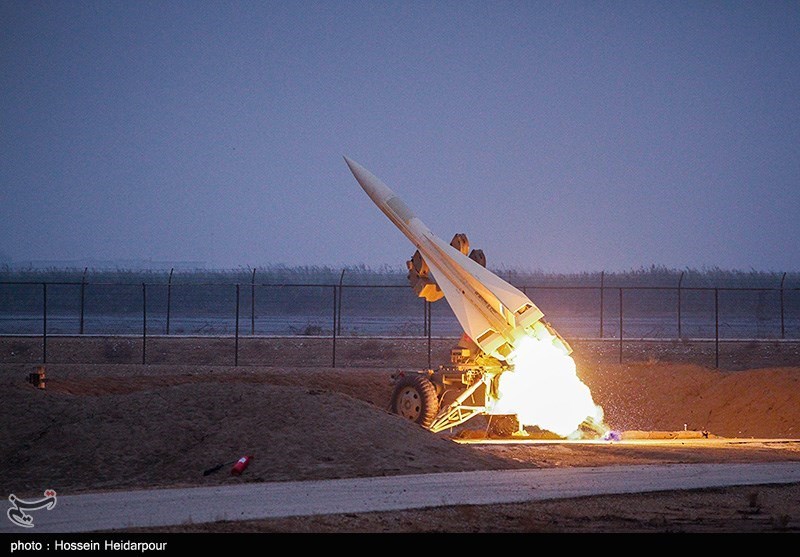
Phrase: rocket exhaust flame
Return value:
(544, 390)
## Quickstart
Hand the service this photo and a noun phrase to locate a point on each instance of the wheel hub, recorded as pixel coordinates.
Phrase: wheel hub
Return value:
(410, 403)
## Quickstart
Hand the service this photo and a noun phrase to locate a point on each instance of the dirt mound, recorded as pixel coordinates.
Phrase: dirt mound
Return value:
(368, 384)
(658, 396)
(105, 427)
(168, 434)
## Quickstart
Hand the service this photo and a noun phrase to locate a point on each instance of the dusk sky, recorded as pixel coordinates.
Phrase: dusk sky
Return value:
(559, 136)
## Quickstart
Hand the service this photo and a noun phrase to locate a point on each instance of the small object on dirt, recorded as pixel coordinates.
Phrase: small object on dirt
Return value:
(612, 436)
(37, 378)
(240, 465)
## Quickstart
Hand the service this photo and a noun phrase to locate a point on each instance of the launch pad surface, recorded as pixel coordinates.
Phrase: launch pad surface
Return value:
(638, 442)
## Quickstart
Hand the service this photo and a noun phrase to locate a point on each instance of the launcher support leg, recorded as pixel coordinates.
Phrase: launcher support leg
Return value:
(456, 413)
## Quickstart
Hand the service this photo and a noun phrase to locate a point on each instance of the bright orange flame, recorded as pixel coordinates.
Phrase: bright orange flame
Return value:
(544, 390)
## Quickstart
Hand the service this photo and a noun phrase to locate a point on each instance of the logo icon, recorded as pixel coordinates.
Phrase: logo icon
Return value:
(17, 514)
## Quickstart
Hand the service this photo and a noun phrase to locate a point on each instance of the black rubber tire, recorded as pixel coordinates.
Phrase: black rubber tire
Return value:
(414, 398)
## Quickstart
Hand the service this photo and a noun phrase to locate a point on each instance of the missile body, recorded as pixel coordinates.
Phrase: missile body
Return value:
(493, 313)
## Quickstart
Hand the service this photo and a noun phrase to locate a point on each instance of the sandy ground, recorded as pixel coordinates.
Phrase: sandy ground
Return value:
(106, 426)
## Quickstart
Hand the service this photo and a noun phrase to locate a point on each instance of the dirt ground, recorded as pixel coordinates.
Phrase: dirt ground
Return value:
(107, 425)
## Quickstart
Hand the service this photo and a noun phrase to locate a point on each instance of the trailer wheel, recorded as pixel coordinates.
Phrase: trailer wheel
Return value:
(414, 398)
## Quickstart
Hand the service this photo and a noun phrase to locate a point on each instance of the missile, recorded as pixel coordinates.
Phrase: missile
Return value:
(492, 312)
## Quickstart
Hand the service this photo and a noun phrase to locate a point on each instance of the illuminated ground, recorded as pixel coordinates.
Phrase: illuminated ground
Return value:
(695, 443)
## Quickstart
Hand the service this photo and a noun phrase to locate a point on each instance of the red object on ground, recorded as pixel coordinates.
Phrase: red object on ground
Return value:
(240, 465)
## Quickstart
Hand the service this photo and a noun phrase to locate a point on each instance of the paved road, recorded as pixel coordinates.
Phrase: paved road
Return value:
(160, 507)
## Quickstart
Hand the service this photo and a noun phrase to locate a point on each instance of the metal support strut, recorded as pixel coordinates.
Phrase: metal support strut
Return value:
(456, 414)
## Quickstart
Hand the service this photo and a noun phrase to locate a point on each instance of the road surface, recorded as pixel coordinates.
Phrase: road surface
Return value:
(163, 507)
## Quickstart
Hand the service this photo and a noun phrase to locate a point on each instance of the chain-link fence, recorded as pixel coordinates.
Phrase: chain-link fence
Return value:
(35, 317)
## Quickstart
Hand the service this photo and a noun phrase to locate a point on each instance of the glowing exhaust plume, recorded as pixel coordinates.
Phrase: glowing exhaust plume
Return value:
(544, 390)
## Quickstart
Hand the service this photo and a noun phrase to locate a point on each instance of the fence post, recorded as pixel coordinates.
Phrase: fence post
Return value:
(339, 305)
(144, 323)
(236, 333)
(620, 325)
(169, 296)
(716, 327)
(602, 291)
(44, 322)
(83, 296)
(253, 303)
(333, 357)
(680, 282)
(424, 317)
(783, 327)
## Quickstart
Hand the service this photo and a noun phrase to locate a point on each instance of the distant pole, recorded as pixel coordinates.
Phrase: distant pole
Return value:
(83, 296)
(333, 356)
(680, 282)
(169, 296)
(253, 303)
(783, 327)
(716, 327)
(339, 305)
(602, 291)
(44, 322)
(236, 331)
(620, 325)
(144, 323)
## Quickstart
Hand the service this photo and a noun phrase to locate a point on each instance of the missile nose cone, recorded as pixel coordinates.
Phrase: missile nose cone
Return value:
(377, 190)
(361, 174)
(350, 163)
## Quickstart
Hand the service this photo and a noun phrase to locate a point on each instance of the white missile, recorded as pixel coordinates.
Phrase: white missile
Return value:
(493, 313)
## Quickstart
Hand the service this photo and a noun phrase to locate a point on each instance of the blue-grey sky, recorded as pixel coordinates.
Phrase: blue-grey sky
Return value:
(561, 136)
